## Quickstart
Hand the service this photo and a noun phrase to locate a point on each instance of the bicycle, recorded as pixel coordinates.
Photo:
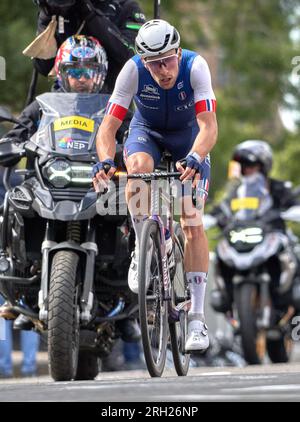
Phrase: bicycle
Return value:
(164, 297)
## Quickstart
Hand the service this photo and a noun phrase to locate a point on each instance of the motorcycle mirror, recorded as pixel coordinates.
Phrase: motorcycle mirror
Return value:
(296, 191)
(6, 116)
(292, 214)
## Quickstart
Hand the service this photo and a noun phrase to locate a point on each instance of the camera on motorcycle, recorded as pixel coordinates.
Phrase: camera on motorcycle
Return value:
(56, 4)
(56, 7)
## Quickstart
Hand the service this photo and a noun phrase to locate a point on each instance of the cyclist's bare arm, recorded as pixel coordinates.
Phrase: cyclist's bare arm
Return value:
(208, 134)
(106, 137)
(125, 88)
(205, 106)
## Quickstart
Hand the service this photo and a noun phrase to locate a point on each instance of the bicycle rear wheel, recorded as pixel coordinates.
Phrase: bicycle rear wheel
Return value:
(180, 297)
(152, 306)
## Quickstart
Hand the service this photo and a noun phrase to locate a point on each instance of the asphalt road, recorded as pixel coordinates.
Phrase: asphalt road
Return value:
(256, 383)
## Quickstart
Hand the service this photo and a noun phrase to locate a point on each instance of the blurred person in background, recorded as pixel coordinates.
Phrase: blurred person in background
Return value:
(114, 22)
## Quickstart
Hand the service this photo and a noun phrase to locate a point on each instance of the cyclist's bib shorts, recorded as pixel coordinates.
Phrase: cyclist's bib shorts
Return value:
(178, 143)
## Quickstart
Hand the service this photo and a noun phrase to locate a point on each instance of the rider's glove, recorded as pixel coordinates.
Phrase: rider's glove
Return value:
(193, 161)
(105, 165)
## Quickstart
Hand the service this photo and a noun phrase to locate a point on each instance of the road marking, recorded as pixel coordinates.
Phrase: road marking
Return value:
(194, 397)
(256, 377)
(267, 388)
(214, 374)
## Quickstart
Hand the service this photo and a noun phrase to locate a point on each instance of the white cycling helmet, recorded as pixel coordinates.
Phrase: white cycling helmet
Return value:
(156, 37)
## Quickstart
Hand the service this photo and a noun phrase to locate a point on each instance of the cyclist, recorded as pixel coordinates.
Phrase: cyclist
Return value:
(174, 99)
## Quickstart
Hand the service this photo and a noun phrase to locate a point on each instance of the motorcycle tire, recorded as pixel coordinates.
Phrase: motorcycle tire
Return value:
(243, 297)
(63, 316)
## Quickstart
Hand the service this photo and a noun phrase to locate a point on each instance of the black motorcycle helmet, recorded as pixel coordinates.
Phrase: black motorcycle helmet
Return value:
(254, 152)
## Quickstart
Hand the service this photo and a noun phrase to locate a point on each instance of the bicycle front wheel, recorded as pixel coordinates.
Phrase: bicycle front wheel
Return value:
(152, 306)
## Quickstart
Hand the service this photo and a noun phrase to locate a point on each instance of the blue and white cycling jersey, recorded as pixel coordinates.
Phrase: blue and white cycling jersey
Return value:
(165, 119)
(161, 109)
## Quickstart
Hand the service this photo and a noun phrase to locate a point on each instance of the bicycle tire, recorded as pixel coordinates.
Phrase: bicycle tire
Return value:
(179, 291)
(153, 319)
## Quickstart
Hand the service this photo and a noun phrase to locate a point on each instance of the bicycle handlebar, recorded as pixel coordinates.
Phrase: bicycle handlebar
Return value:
(149, 176)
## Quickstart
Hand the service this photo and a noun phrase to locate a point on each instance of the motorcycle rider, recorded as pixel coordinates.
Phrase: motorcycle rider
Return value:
(254, 158)
(114, 22)
(81, 66)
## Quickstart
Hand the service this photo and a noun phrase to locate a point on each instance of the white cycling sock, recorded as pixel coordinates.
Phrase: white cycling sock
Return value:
(197, 282)
(138, 223)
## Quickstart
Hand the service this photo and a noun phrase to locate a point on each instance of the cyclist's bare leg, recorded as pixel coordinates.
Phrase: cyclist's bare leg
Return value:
(196, 258)
(137, 192)
(137, 197)
(196, 266)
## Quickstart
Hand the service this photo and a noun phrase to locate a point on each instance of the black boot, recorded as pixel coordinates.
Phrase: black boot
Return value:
(129, 329)
(23, 323)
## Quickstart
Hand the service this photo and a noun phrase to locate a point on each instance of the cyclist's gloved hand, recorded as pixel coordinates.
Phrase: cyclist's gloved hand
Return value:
(105, 165)
(194, 161)
(189, 166)
(102, 172)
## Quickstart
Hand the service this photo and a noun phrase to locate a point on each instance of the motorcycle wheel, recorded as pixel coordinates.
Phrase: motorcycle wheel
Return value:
(87, 368)
(245, 297)
(279, 350)
(63, 317)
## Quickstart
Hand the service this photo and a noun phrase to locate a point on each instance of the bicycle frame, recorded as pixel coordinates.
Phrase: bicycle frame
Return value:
(155, 214)
(166, 320)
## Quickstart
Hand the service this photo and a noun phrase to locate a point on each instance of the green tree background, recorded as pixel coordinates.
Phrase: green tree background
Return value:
(249, 49)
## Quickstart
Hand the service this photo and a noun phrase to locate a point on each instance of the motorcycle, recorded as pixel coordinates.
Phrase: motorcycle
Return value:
(256, 270)
(61, 263)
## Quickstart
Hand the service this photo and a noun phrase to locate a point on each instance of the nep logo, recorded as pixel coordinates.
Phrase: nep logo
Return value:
(65, 143)
(69, 143)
